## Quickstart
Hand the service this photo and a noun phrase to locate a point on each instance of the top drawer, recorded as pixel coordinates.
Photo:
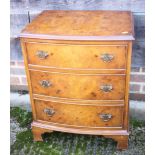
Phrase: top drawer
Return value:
(77, 56)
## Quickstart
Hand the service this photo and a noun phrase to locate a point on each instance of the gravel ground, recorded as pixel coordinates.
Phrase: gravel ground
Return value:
(14, 128)
(58, 143)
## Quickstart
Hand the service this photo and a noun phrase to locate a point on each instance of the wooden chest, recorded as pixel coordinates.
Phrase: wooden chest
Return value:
(78, 69)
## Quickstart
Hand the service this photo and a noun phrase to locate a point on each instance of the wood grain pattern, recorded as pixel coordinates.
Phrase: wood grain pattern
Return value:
(127, 87)
(81, 25)
(84, 116)
(37, 133)
(78, 101)
(79, 130)
(77, 70)
(121, 136)
(74, 101)
(69, 56)
(75, 42)
(81, 86)
(28, 79)
(122, 141)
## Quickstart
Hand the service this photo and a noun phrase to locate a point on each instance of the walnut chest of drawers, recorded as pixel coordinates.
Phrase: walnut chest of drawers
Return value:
(78, 68)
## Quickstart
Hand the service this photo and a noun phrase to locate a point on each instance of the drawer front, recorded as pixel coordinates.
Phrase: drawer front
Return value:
(77, 56)
(79, 115)
(78, 86)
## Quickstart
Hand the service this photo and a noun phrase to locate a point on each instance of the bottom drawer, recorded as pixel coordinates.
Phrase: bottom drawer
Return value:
(79, 115)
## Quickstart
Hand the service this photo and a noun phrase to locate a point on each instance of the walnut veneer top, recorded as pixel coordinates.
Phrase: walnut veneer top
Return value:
(81, 25)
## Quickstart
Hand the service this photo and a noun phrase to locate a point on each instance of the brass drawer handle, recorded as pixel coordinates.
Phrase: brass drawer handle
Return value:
(49, 112)
(106, 88)
(45, 83)
(105, 117)
(107, 57)
(42, 54)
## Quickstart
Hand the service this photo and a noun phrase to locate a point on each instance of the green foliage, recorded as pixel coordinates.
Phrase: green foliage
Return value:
(137, 123)
(23, 117)
(58, 143)
(24, 145)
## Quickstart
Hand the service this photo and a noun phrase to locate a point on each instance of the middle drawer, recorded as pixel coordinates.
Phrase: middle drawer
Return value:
(78, 86)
